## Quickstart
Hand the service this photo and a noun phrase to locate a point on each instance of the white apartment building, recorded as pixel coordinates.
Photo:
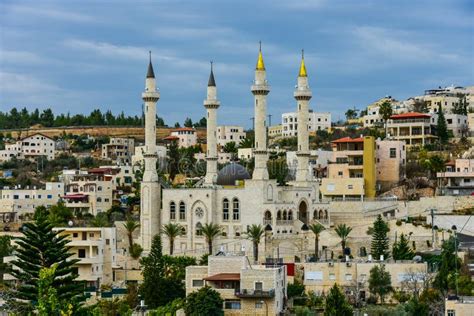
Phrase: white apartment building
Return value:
(96, 249)
(90, 193)
(222, 157)
(137, 158)
(185, 136)
(25, 200)
(413, 128)
(119, 150)
(30, 147)
(317, 121)
(457, 124)
(458, 179)
(229, 133)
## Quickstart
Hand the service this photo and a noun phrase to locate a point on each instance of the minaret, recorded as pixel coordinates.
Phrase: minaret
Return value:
(260, 89)
(302, 95)
(150, 188)
(211, 104)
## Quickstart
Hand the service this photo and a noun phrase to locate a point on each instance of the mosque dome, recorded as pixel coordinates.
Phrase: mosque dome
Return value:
(232, 173)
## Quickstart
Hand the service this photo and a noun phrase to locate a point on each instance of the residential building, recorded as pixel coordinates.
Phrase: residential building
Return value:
(246, 289)
(316, 121)
(30, 147)
(353, 276)
(275, 131)
(95, 247)
(185, 136)
(458, 179)
(318, 163)
(413, 128)
(222, 157)
(245, 153)
(25, 200)
(90, 193)
(229, 133)
(373, 117)
(137, 158)
(457, 124)
(470, 123)
(119, 150)
(390, 163)
(461, 306)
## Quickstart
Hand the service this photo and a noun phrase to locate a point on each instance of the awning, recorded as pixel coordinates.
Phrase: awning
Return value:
(224, 277)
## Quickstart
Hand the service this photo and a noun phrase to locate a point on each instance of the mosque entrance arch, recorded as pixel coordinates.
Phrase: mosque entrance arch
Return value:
(303, 212)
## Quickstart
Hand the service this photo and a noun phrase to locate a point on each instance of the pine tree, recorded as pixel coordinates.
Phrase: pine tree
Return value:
(380, 244)
(336, 303)
(442, 127)
(153, 273)
(401, 249)
(38, 248)
(380, 282)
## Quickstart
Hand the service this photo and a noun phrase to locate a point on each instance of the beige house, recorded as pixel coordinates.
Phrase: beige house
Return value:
(462, 307)
(458, 179)
(275, 130)
(30, 147)
(390, 162)
(229, 133)
(245, 289)
(413, 128)
(119, 150)
(185, 136)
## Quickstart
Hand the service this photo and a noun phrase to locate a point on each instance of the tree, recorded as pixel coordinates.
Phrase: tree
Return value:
(316, 229)
(173, 160)
(130, 226)
(448, 266)
(386, 112)
(48, 301)
(6, 249)
(402, 250)
(153, 274)
(247, 142)
(100, 220)
(211, 231)
(255, 233)
(380, 242)
(206, 301)
(380, 282)
(40, 247)
(419, 106)
(188, 122)
(59, 215)
(343, 231)
(442, 127)
(336, 303)
(351, 114)
(172, 230)
(230, 147)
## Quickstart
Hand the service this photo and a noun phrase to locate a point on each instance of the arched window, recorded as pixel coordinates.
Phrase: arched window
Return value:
(99, 188)
(290, 215)
(279, 216)
(268, 215)
(183, 230)
(198, 229)
(285, 216)
(225, 209)
(269, 193)
(99, 199)
(172, 210)
(182, 211)
(321, 214)
(315, 214)
(235, 209)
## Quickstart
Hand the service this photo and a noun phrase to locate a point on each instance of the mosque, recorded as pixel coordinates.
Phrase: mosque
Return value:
(231, 197)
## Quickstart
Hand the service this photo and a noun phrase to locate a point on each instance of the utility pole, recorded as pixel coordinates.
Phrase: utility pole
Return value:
(454, 228)
(432, 210)
(270, 120)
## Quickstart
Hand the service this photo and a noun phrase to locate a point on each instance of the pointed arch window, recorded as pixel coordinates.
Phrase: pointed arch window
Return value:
(225, 209)
(172, 210)
(290, 215)
(235, 209)
(182, 211)
(198, 229)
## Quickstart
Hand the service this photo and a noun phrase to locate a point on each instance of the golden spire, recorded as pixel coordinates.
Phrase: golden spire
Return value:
(260, 64)
(302, 67)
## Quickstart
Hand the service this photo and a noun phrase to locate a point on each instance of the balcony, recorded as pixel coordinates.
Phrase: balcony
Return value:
(255, 293)
(284, 222)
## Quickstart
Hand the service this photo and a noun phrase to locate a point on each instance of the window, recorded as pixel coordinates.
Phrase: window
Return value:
(182, 211)
(172, 210)
(235, 209)
(198, 229)
(451, 312)
(81, 253)
(232, 304)
(348, 277)
(75, 235)
(350, 186)
(258, 286)
(393, 153)
(332, 276)
(258, 305)
(339, 173)
(198, 283)
(225, 210)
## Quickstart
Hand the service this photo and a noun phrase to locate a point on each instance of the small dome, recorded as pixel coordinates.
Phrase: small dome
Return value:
(231, 173)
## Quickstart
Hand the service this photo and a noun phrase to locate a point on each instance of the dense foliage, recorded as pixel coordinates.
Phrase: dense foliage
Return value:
(336, 303)
(380, 282)
(379, 245)
(206, 301)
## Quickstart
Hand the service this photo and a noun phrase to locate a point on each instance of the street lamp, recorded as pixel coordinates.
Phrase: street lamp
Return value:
(266, 306)
(454, 228)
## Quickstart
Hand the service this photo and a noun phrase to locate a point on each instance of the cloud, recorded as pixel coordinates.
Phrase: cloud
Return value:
(24, 84)
(12, 57)
(34, 11)
(191, 33)
(107, 49)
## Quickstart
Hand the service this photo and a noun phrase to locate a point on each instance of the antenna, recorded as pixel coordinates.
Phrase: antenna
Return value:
(260, 45)
(150, 55)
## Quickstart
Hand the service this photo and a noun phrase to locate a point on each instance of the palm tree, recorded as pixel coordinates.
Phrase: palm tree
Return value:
(343, 231)
(211, 231)
(386, 111)
(172, 230)
(130, 225)
(316, 229)
(351, 114)
(254, 233)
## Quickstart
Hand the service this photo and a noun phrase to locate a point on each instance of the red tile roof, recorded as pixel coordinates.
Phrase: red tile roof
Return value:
(410, 115)
(171, 137)
(74, 196)
(348, 140)
(184, 129)
(224, 277)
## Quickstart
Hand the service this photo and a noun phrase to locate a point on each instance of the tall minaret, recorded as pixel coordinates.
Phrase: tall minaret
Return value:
(150, 188)
(211, 104)
(302, 95)
(260, 89)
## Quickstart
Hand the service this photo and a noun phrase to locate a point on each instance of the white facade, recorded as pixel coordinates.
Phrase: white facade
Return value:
(30, 147)
(186, 136)
(317, 121)
(456, 123)
(137, 158)
(229, 133)
(26, 200)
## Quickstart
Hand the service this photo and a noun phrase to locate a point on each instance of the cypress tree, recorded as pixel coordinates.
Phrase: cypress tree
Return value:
(40, 247)
(379, 244)
(336, 303)
(401, 249)
(442, 127)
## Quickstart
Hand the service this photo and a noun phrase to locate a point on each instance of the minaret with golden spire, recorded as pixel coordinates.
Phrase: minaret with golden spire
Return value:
(260, 90)
(150, 187)
(211, 104)
(302, 95)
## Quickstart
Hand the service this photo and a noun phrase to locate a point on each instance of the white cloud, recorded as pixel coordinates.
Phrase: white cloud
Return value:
(193, 32)
(21, 58)
(24, 84)
(26, 12)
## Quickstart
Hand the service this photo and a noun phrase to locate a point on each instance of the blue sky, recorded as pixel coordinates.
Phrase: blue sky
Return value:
(78, 55)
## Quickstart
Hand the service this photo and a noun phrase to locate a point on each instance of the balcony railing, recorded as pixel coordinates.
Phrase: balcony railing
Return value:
(267, 222)
(255, 293)
(284, 222)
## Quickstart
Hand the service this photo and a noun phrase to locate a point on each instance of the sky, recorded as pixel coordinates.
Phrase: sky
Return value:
(76, 55)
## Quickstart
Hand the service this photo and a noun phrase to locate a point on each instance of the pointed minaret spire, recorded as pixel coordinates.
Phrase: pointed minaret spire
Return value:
(302, 67)
(212, 81)
(260, 63)
(150, 73)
